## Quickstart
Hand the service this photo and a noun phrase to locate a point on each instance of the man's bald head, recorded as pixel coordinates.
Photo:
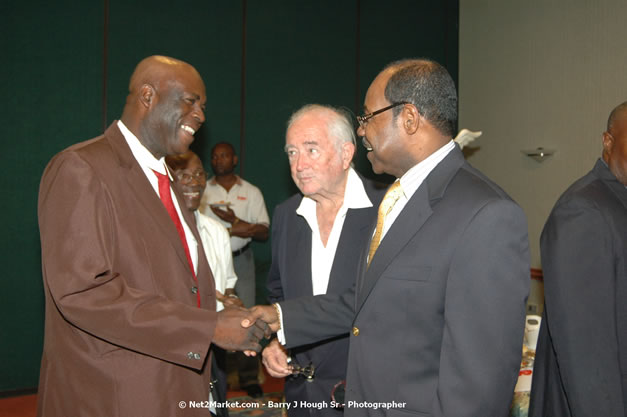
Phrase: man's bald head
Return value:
(180, 161)
(619, 112)
(165, 105)
(155, 70)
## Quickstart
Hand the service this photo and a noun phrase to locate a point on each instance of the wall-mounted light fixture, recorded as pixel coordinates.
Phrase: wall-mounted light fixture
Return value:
(539, 154)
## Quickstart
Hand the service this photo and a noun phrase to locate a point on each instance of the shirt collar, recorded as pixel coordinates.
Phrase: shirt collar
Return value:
(214, 181)
(143, 156)
(413, 178)
(355, 197)
(199, 224)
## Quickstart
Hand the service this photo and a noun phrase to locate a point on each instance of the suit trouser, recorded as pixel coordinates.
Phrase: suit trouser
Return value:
(218, 374)
(244, 265)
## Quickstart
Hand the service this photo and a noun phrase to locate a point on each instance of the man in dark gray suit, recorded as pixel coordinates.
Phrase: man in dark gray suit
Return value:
(317, 237)
(581, 358)
(437, 321)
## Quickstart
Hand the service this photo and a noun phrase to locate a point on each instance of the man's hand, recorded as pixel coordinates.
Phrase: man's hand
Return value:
(241, 228)
(229, 298)
(227, 215)
(267, 314)
(275, 360)
(231, 335)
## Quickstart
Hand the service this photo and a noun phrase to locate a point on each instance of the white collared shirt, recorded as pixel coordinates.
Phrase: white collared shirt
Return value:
(215, 240)
(243, 198)
(149, 163)
(412, 179)
(355, 197)
(322, 256)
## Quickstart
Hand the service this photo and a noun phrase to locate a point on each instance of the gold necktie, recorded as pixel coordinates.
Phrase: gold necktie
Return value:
(391, 197)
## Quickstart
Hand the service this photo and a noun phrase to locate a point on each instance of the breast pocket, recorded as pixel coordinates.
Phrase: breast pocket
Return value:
(406, 272)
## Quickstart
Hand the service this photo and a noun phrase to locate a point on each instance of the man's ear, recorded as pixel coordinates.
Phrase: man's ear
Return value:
(348, 151)
(411, 118)
(235, 159)
(146, 95)
(608, 142)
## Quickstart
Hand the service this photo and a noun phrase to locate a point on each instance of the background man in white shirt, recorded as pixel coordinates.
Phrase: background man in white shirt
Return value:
(239, 205)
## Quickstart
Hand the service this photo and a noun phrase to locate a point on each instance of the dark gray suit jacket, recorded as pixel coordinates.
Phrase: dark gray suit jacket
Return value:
(290, 277)
(437, 320)
(581, 359)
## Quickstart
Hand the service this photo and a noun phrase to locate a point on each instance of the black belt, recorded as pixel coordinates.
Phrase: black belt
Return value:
(241, 250)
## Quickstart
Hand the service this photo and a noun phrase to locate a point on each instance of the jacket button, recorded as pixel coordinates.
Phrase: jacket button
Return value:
(194, 290)
(355, 331)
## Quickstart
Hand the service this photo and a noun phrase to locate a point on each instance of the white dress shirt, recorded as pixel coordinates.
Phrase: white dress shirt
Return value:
(243, 198)
(216, 241)
(355, 197)
(322, 256)
(412, 180)
(149, 163)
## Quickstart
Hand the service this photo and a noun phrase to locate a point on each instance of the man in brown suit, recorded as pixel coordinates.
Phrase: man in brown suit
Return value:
(130, 298)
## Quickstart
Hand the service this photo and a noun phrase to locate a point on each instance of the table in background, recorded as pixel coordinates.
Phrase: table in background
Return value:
(520, 402)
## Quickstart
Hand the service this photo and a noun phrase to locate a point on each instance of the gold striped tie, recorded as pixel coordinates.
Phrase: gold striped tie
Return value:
(391, 197)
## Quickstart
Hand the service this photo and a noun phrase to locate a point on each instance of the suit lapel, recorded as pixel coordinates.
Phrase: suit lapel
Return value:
(356, 233)
(620, 191)
(406, 225)
(297, 282)
(352, 240)
(411, 219)
(143, 191)
(203, 267)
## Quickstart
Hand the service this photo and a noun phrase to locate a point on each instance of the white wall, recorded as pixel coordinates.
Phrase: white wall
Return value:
(540, 73)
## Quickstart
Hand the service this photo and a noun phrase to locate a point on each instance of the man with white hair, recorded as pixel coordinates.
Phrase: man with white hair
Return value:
(316, 240)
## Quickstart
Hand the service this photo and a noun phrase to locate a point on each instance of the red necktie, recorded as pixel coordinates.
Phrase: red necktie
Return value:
(166, 198)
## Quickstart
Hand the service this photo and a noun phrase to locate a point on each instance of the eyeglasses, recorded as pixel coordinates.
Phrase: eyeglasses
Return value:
(366, 117)
(185, 178)
(306, 371)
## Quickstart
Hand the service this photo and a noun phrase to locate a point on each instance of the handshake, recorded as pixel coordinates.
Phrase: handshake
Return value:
(238, 328)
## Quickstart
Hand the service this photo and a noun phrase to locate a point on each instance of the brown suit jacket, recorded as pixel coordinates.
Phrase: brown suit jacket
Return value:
(123, 334)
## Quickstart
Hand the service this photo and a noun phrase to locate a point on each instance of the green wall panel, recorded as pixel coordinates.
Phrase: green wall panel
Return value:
(404, 29)
(298, 53)
(51, 96)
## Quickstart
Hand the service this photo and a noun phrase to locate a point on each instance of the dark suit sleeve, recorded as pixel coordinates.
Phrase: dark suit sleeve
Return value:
(484, 314)
(580, 287)
(273, 283)
(79, 249)
(311, 319)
